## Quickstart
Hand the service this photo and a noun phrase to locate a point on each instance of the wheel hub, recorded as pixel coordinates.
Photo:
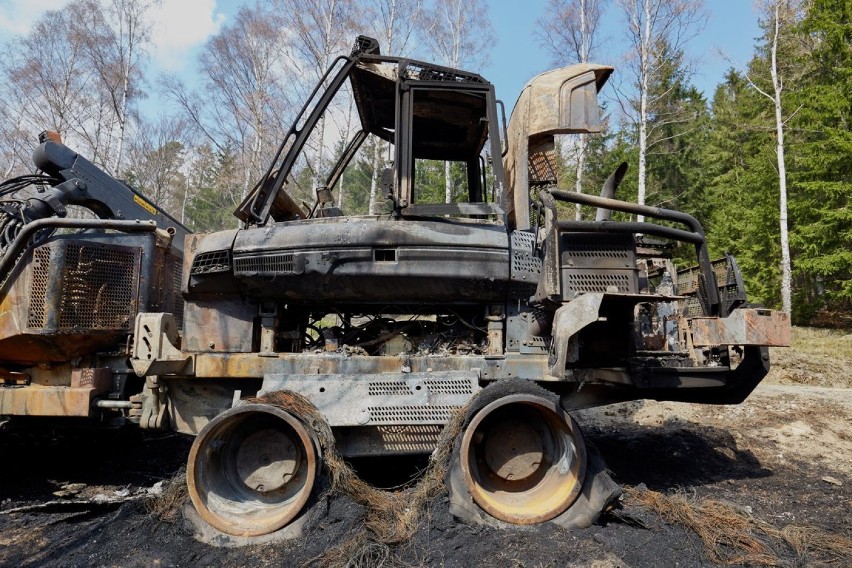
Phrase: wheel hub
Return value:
(267, 460)
(513, 450)
(523, 459)
(251, 470)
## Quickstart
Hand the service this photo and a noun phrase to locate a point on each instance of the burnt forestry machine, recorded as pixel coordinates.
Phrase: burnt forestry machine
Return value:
(389, 323)
(70, 290)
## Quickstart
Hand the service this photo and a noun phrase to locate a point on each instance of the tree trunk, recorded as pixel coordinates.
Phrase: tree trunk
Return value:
(786, 269)
(448, 183)
(644, 56)
(578, 185)
(374, 179)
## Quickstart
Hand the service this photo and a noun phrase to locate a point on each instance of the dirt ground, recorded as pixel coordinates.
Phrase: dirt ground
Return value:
(783, 459)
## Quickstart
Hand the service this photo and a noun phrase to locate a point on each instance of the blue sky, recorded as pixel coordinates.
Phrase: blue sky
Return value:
(731, 29)
(184, 25)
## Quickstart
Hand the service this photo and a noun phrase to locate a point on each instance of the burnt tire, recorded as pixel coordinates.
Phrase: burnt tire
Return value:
(581, 495)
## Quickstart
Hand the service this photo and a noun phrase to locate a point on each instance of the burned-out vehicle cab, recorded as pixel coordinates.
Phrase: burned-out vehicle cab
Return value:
(454, 282)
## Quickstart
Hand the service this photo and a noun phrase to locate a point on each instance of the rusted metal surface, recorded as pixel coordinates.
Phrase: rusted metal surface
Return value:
(154, 352)
(224, 325)
(746, 326)
(36, 400)
(561, 101)
(523, 459)
(251, 470)
(48, 392)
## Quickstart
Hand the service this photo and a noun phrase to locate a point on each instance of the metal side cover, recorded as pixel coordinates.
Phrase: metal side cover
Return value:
(382, 399)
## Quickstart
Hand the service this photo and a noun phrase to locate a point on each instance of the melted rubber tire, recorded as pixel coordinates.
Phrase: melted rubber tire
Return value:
(598, 491)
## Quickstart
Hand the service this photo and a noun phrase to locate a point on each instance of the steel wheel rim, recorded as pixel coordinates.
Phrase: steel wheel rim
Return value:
(523, 459)
(251, 470)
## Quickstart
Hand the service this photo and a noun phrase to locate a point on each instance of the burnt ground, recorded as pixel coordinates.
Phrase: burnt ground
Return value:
(783, 457)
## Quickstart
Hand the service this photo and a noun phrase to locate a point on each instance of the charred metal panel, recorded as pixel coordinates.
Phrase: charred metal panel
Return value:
(745, 326)
(224, 325)
(364, 260)
(71, 296)
(57, 400)
(207, 263)
(193, 403)
(732, 291)
(526, 265)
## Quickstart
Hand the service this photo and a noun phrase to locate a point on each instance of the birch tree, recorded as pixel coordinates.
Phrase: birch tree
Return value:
(568, 30)
(47, 85)
(243, 99)
(155, 158)
(654, 28)
(778, 15)
(458, 33)
(319, 31)
(114, 34)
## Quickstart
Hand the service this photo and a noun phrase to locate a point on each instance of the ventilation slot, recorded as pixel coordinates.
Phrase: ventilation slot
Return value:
(271, 265)
(212, 262)
(388, 388)
(443, 386)
(589, 281)
(410, 414)
(38, 293)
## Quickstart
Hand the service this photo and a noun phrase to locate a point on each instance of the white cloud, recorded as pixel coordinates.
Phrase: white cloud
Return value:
(18, 16)
(178, 26)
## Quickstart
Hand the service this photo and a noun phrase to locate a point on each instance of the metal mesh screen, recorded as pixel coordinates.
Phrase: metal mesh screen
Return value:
(99, 288)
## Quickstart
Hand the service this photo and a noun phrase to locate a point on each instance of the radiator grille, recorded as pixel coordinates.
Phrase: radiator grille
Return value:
(38, 291)
(271, 264)
(99, 291)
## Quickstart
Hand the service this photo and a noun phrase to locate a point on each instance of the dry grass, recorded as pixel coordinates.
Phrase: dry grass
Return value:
(732, 537)
(817, 357)
(167, 506)
(392, 516)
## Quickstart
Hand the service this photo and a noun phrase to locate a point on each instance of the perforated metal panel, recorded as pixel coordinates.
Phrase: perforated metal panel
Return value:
(597, 251)
(38, 290)
(451, 386)
(597, 281)
(174, 299)
(410, 414)
(384, 398)
(388, 388)
(99, 290)
(526, 266)
(598, 263)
